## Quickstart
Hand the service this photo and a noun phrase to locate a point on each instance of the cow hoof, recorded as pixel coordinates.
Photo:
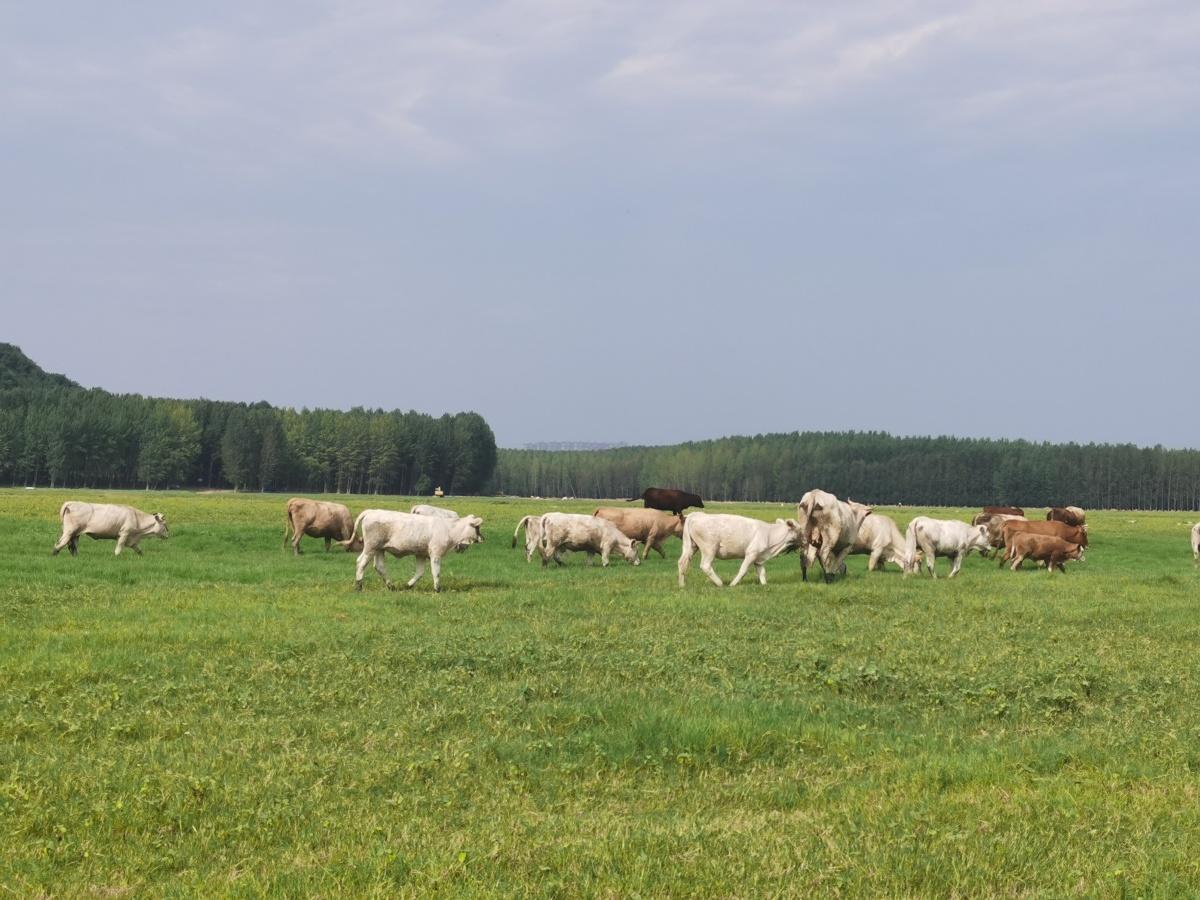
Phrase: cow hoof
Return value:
(391, 585)
(437, 590)
(358, 586)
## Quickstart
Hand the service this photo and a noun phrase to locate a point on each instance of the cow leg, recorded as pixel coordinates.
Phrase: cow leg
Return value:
(120, 545)
(436, 566)
(839, 562)
(73, 546)
(380, 557)
(930, 558)
(360, 567)
(706, 567)
(1016, 563)
(958, 558)
(328, 542)
(747, 562)
(296, 545)
(65, 540)
(590, 555)
(762, 573)
(420, 571)
(135, 548)
(873, 562)
(685, 560)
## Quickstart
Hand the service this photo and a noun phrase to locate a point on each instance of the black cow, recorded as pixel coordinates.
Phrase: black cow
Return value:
(668, 500)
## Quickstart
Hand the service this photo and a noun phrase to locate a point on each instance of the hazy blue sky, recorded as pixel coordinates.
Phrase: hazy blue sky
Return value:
(640, 222)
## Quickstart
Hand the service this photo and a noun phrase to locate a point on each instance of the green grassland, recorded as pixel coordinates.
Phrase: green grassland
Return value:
(220, 718)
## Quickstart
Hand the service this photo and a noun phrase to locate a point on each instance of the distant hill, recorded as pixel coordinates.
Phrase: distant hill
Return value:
(19, 371)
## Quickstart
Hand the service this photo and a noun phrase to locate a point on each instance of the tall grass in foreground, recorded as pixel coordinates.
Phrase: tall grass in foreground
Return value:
(217, 717)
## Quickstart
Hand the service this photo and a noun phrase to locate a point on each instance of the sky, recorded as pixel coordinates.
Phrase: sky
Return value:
(616, 221)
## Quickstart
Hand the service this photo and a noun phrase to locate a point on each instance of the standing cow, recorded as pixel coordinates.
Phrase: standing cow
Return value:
(316, 518)
(650, 526)
(831, 526)
(725, 536)
(404, 534)
(942, 537)
(124, 524)
(668, 500)
(572, 531)
(533, 535)
(1196, 544)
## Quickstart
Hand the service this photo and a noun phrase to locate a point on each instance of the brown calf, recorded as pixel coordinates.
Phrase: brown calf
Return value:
(1045, 548)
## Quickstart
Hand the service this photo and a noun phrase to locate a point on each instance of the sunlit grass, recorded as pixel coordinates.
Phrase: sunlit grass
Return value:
(218, 717)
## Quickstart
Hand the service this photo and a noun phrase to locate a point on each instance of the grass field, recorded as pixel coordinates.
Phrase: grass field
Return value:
(219, 718)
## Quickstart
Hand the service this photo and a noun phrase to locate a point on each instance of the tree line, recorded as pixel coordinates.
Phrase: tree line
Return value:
(54, 433)
(873, 467)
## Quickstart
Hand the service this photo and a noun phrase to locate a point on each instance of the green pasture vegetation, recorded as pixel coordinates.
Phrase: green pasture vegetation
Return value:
(218, 717)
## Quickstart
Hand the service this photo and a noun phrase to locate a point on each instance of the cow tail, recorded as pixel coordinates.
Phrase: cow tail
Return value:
(63, 510)
(287, 526)
(910, 546)
(523, 523)
(354, 531)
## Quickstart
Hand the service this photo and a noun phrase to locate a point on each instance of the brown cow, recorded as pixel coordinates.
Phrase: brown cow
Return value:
(1053, 551)
(668, 499)
(650, 526)
(1074, 534)
(1069, 515)
(1003, 511)
(319, 519)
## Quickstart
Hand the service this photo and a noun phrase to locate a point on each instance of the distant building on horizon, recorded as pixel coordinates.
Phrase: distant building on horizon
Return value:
(573, 445)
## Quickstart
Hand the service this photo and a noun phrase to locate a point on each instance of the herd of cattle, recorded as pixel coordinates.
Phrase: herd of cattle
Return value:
(825, 531)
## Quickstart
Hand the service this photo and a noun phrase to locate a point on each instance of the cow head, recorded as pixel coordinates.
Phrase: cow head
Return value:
(160, 526)
(860, 511)
(629, 552)
(980, 539)
(469, 532)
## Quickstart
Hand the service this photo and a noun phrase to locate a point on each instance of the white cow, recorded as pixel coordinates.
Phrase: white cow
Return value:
(879, 536)
(831, 528)
(1196, 544)
(942, 537)
(725, 536)
(571, 531)
(424, 509)
(111, 521)
(533, 535)
(404, 534)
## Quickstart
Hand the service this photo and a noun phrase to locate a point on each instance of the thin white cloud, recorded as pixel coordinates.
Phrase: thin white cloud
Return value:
(372, 79)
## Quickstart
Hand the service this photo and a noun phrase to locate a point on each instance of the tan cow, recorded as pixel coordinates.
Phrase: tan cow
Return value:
(319, 519)
(124, 524)
(650, 526)
(1053, 551)
(879, 536)
(1074, 534)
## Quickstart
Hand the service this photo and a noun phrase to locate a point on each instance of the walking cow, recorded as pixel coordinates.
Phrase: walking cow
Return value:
(668, 500)
(319, 519)
(724, 536)
(124, 524)
(428, 538)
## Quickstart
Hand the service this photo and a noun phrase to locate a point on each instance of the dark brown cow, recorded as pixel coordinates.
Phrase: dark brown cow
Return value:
(1074, 534)
(668, 500)
(1045, 548)
(1003, 511)
(1068, 515)
(319, 519)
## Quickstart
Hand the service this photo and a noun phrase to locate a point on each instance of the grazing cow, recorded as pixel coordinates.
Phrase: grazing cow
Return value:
(942, 537)
(1196, 544)
(319, 519)
(533, 534)
(1068, 515)
(650, 526)
(879, 536)
(1003, 511)
(424, 509)
(1074, 534)
(572, 531)
(724, 536)
(668, 500)
(404, 534)
(1053, 551)
(124, 524)
(831, 526)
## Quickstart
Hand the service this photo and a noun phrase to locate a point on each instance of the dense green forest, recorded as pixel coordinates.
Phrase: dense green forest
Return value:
(870, 466)
(53, 432)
